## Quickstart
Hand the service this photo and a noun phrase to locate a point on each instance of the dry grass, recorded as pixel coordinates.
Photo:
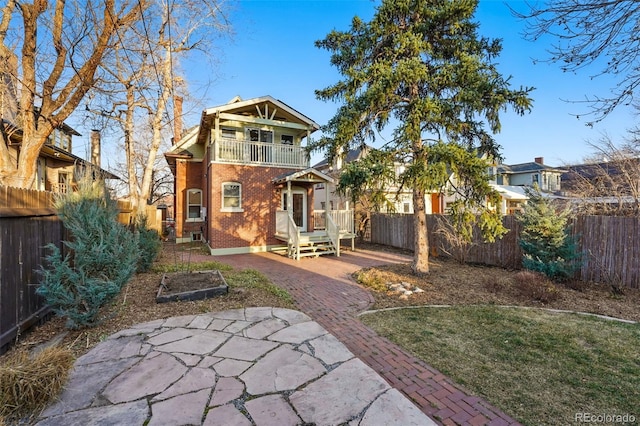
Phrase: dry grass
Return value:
(450, 283)
(29, 382)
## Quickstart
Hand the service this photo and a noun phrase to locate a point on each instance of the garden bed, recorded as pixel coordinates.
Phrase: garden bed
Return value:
(196, 285)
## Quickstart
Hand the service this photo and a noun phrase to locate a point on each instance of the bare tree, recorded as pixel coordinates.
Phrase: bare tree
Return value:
(146, 69)
(58, 46)
(609, 181)
(598, 33)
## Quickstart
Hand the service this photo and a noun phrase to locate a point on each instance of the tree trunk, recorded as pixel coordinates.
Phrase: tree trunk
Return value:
(420, 263)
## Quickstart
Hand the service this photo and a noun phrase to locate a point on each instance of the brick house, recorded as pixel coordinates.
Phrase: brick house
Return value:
(243, 182)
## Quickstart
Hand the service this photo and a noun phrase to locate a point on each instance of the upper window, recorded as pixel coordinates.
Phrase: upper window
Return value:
(232, 197)
(228, 133)
(194, 205)
(257, 135)
(286, 139)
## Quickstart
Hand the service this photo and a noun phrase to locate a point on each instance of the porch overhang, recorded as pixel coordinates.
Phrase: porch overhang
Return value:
(309, 175)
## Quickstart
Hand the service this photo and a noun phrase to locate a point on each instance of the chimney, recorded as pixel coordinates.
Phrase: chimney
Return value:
(177, 118)
(95, 147)
(539, 160)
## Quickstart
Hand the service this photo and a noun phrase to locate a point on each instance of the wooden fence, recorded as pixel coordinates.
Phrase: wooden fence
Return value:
(610, 245)
(28, 222)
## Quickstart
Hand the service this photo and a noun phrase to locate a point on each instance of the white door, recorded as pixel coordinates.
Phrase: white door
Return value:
(299, 207)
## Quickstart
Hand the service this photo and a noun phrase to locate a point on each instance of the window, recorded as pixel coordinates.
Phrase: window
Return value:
(535, 178)
(231, 197)
(286, 140)
(228, 133)
(194, 205)
(257, 135)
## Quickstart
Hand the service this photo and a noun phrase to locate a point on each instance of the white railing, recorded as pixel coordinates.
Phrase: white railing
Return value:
(263, 153)
(334, 234)
(286, 226)
(342, 218)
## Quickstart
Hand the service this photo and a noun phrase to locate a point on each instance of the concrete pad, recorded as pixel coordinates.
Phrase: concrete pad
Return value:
(225, 416)
(186, 409)
(330, 350)
(133, 413)
(340, 395)
(392, 408)
(150, 376)
(227, 389)
(244, 349)
(280, 370)
(264, 328)
(231, 367)
(272, 410)
(200, 343)
(299, 333)
(196, 379)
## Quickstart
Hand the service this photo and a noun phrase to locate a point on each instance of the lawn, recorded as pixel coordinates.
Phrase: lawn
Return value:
(537, 366)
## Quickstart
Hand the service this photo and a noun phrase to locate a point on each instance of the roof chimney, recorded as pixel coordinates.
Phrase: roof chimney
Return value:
(177, 118)
(95, 147)
(539, 160)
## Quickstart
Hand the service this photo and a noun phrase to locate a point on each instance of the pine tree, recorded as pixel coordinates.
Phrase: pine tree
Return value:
(546, 242)
(419, 65)
(100, 257)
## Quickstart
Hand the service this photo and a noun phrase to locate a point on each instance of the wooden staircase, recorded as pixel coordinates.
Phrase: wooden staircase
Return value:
(313, 244)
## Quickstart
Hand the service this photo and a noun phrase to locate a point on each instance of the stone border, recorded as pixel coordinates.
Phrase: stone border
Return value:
(557, 311)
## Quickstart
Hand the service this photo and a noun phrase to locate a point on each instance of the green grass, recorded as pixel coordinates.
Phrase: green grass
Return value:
(539, 367)
(247, 278)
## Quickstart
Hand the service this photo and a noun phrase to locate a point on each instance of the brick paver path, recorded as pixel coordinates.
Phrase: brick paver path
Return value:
(323, 289)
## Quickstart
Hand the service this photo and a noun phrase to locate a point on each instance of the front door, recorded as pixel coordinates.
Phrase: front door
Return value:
(299, 207)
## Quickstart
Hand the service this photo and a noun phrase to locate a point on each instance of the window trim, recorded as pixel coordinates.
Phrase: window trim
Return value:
(231, 209)
(188, 205)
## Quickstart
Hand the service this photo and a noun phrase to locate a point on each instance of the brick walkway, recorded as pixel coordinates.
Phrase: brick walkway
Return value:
(323, 289)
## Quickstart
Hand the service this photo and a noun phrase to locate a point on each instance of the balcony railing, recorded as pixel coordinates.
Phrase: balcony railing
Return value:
(259, 153)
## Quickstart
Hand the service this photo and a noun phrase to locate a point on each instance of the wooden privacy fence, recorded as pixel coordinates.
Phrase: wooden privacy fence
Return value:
(28, 222)
(610, 245)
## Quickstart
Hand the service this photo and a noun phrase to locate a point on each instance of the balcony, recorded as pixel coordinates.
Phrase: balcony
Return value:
(238, 151)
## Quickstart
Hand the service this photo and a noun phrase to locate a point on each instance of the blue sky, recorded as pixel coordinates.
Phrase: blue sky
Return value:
(273, 53)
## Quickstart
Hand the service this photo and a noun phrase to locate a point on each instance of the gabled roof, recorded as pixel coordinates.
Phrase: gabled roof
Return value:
(531, 167)
(186, 147)
(352, 155)
(307, 175)
(279, 111)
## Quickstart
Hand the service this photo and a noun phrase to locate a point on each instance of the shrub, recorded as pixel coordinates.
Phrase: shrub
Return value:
(545, 240)
(28, 383)
(101, 257)
(535, 286)
(149, 245)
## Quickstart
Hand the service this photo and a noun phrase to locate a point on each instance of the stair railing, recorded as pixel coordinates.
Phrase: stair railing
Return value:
(334, 233)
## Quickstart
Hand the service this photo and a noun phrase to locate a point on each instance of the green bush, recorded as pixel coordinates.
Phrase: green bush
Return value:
(100, 258)
(547, 245)
(149, 245)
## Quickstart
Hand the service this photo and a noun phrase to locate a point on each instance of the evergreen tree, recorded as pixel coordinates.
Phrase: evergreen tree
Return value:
(100, 257)
(420, 64)
(547, 245)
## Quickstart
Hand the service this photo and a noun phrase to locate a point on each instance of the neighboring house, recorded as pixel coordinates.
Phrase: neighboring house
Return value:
(402, 201)
(607, 187)
(547, 178)
(58, 170)
(243, 182)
